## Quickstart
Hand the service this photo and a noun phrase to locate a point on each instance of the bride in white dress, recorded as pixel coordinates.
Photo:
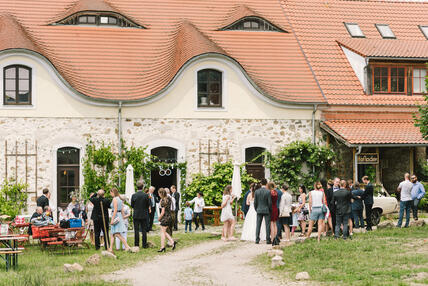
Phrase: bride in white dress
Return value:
(250, 223)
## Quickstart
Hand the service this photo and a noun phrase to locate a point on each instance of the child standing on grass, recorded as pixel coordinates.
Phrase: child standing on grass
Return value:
(188, 217)
(295, 216)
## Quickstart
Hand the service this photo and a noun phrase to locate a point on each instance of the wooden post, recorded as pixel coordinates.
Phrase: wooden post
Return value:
(35, 153)
(412, 163)
(16, 161)
(327, 143)
(378, 179)
(5, 159)
(200, 157)
(209, 157)
(26, 165)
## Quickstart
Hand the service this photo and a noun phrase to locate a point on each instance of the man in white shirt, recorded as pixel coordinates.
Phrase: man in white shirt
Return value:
(198, 210)
(405, 190)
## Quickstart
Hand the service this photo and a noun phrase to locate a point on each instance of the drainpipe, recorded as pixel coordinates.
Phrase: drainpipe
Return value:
(313, 123)
(313, 130)
(119, 133)
(356, 163)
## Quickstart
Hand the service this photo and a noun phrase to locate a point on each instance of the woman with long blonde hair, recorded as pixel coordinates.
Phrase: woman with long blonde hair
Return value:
(117, 224)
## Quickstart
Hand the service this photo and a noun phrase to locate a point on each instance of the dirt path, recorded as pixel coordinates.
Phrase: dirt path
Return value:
(211, 263)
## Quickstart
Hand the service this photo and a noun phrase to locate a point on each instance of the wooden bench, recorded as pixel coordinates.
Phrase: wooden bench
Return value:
(10, 257)
(212, 213)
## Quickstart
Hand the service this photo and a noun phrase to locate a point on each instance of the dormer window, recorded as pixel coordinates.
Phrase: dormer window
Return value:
(99, 19)
(252, 24)
(385, 31)
(424, 30)
(354, 30)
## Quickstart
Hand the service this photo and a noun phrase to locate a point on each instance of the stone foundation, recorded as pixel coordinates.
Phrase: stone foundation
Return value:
(193, 134)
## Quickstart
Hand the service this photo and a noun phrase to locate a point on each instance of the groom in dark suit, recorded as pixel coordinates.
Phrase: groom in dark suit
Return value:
(140, 202)
(263, 206)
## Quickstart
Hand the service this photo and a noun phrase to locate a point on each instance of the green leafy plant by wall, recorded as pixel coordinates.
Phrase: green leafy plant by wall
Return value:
(99, 170)
(212, 186)
(13, 198)
(301, 162)
(103, 169)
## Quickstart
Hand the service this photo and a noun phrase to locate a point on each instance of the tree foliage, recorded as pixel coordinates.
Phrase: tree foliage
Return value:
(421, 120)
(212, 186)
(13, 198)
(300, 162)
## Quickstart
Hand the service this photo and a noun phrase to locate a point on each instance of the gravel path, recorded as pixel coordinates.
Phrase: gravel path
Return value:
(211, 263)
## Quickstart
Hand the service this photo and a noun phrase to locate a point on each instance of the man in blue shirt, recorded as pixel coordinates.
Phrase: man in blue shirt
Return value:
(418, 192)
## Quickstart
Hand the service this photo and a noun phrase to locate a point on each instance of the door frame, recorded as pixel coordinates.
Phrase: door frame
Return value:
(66, 167)
(53, 202)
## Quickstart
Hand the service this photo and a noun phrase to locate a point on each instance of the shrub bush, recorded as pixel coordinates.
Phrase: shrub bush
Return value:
(212, 186)
(13, 198)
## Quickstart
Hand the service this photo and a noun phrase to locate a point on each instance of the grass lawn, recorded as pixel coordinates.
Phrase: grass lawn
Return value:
(383, 257)
(40, 268)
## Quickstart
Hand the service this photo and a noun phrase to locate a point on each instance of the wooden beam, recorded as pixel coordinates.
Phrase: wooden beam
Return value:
(378, 179)
(412, 163)
(354, 171)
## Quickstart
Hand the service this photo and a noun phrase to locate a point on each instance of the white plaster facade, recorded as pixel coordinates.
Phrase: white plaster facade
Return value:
(60, 117)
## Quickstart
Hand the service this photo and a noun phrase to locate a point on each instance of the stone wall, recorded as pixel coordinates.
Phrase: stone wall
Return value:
(53, 133)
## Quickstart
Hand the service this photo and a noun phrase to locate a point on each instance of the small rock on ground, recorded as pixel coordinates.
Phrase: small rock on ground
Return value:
(76, 267)
(277, 261)
(135, 249)
(417, 223)
(386, 224)
(93, 260)
(108, 254)
(303, 276)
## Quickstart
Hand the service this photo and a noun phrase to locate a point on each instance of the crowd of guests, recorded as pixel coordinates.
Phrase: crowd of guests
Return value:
(337, 207)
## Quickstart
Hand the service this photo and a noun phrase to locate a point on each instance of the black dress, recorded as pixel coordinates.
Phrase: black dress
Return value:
(167, 218)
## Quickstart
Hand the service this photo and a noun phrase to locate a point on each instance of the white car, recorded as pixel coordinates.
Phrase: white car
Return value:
(382, 204)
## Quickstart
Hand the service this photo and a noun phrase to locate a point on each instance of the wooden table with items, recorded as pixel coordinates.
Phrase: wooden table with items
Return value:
(212, 212)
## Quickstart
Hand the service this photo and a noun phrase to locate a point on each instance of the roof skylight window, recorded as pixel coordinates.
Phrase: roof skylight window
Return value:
(253, 23)
(95, 18)
(385, 31)
(424, 30)
(354, 30)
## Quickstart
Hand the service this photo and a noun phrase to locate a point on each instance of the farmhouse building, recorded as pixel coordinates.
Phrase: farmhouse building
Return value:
(207, 81)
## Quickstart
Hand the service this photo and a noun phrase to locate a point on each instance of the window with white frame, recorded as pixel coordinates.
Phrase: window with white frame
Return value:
(419, 75)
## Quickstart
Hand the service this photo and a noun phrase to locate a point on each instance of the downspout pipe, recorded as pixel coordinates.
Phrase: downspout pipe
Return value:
(356, 162)
(313, 123)
(313, 130)
(119, 133)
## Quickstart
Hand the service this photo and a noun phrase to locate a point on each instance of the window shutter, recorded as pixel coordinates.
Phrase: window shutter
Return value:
(369, 87)
(409, 81)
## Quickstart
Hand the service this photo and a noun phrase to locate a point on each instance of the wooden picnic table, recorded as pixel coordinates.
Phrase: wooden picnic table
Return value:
(10, 253)
(212, 212)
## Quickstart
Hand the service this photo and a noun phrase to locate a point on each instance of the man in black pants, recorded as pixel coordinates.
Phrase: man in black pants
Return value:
(176, 196)
(140, 202)
(342, 200)
(368, 201)
(98, 200)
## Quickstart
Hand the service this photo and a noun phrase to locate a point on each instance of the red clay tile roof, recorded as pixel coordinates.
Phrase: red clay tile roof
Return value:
(361, 132)
(319, 24)
(381, 48)
(132, 64)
